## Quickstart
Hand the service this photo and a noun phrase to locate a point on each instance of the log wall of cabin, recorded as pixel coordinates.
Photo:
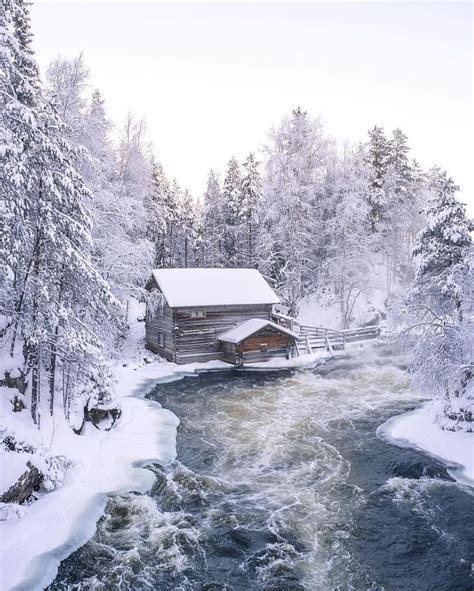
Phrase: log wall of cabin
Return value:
(155, 324)
(263, 346)
(196, 338)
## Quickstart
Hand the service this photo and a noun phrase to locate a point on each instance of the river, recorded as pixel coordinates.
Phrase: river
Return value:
(282, 485)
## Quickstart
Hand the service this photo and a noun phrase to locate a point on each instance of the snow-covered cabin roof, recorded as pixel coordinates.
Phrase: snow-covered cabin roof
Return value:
(249, 327)
(213, 287)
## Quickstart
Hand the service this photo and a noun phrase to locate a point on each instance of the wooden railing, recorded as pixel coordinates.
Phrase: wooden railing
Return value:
(361, 334)
(314, 337)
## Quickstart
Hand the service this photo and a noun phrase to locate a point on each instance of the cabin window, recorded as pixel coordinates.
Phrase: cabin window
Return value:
(263, 347)
(156, 305)
(161, 339)
(198, 313)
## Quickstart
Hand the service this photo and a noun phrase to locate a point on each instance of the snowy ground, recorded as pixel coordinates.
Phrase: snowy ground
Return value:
(367, 309)
(418, 429)
(105, 461)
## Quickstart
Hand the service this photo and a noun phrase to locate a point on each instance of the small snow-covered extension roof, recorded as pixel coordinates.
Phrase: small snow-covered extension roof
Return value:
(249, 327)
(213, 287)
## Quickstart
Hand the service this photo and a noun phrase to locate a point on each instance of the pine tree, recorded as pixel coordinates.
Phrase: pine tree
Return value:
(213, 223)
(289, 209)
(399, 165)
(187, 231)
(378, 158)
(157, 215)
(59, 298)
(251, 196)
(394, 197)
(19, 133)
(439, 309)
(19, 92)
(442, 247)
(232, 213)
(119, 183)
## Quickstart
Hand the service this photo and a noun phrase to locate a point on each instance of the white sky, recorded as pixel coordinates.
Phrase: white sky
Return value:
(212, 78)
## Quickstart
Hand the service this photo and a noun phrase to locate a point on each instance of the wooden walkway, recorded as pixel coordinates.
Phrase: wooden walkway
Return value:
(314, 338)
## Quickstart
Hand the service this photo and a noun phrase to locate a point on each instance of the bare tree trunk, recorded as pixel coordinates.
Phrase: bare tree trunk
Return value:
(52, 372)
(250, 231)
(33, 350)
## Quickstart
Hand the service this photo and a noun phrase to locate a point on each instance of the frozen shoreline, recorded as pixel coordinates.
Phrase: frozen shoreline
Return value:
(418, 429)
(106, 462)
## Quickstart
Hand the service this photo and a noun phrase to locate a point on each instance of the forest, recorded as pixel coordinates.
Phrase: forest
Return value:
(282, 477)
(88, 210)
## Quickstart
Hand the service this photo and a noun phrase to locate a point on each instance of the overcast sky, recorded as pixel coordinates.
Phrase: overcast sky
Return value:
(211, 79)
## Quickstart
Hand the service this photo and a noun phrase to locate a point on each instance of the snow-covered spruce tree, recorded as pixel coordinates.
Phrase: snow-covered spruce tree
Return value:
(251, 196)
(395, 197)
(172, 217)
(232, 214)
(404, 185)
(290, 219)
(80, 310)
(157, 215)
(440, 306)
(187, 231)
(378, 149)
(19, 95)
(212, 244)
(58, 297)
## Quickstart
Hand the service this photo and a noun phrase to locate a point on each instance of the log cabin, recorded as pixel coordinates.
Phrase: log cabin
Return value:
(197, 315)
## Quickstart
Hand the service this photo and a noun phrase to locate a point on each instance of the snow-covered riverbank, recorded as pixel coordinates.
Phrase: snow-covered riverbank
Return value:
(105, 462)
(418, 429)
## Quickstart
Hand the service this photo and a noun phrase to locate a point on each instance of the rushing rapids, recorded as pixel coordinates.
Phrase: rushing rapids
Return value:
(281, 484)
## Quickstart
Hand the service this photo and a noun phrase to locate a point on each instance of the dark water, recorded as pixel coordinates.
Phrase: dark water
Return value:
(282, 485)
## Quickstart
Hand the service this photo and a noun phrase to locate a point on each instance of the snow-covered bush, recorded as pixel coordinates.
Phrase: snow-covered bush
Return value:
(54, 471)
(12, 512)
(95, 400)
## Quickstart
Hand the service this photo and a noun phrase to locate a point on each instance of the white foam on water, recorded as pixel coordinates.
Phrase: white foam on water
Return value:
(272, 442)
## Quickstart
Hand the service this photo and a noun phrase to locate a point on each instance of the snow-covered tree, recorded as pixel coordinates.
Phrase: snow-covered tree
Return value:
(212, 223)
(349, 267)
(58, 297)
(251, 188)
(289, 209)
(186, 230)
(440, 308)
(233, 216)
(67, 80)
(129, 261)
(395, 197)
(378, 157)
(119, 180)
(157, 214)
